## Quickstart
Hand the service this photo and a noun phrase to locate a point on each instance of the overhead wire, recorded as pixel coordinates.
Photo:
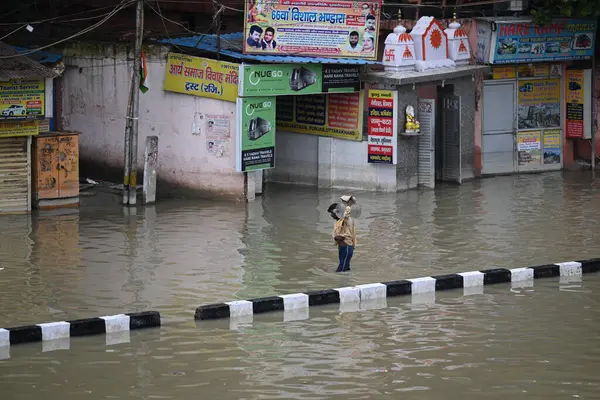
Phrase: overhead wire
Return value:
(59, 17)
(216, 16)
(162, 18)
(121, 6)
(15, 31)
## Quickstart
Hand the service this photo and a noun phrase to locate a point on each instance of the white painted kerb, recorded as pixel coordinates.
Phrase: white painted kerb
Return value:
(239, 307)
(294, 301)
(472, 278)
(349, 294)
(422, 285)
(570, 268)
(55, 330)
(4, 337)
(116, 323)
(372, 291)
(521, 274)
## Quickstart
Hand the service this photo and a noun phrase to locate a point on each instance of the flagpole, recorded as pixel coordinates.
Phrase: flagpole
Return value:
(139, 22)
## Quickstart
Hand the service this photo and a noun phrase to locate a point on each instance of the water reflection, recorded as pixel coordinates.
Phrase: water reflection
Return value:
(105, 259)
(495, 344)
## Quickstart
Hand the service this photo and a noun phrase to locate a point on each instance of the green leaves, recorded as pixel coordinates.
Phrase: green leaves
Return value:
(543, 11)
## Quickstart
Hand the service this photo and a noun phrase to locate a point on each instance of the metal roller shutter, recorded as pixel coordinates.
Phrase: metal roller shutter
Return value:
(15, 174)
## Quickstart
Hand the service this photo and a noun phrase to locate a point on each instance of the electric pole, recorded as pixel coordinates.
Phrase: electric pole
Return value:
(130, 182)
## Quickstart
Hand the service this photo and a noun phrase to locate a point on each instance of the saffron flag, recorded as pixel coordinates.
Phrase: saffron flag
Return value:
(143, 74)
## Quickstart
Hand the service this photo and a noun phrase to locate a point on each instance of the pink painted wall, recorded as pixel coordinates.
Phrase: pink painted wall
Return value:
(470, 27)
(427, 92)
(583, 148)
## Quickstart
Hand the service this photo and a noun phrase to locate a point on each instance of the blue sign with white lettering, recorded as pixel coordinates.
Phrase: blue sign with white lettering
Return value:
(559, 40)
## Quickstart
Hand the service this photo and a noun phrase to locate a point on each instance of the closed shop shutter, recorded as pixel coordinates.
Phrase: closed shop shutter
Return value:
(15, 174)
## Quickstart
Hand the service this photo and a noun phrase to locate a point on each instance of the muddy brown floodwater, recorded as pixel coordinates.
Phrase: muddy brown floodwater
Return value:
(104, 259)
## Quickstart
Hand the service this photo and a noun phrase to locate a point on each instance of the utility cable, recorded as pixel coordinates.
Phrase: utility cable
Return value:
(122, 5)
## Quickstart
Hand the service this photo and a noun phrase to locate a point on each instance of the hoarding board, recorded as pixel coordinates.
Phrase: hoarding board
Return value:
(22, 99)
(539, 103)
(297, 79)
(559, 40)
(201, 77)
(19, 128)
(255, 128)
(575, 101)
(382, 127)
(337, 115)
(312, 28)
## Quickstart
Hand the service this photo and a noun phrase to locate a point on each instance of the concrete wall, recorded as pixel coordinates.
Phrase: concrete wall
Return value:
(407, 173)
(329, 162)
(296, 159)
(304, 159)
(95, 95)
(466, 89)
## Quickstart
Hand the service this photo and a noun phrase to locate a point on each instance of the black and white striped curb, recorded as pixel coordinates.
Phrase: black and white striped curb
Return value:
(469, 281)
(55, 333)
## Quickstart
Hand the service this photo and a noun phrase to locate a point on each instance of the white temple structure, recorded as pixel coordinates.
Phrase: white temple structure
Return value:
(427, 46)
(399, 54)
(458, 43)
(431, 45)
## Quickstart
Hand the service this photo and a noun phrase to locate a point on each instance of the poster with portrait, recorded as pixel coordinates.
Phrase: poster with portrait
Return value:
(321, 29)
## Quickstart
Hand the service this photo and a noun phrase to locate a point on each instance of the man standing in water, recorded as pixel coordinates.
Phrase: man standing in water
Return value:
(344, 233)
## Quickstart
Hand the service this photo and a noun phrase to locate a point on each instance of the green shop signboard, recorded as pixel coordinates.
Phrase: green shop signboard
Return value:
(255, 133)
(297, 79)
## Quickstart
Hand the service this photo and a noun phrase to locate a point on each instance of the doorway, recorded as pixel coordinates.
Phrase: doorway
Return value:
(499, 127)
(448, 162)
(439, 145)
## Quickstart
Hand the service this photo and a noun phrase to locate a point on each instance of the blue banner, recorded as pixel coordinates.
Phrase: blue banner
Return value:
(559, 40)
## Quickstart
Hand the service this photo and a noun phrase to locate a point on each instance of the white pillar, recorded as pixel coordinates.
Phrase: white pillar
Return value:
(326, 161)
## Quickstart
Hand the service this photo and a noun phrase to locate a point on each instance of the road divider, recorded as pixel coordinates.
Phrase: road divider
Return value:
(56, 334)
(471, 282)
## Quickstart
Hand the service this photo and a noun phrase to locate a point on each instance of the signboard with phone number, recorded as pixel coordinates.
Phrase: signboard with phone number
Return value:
(562, 39)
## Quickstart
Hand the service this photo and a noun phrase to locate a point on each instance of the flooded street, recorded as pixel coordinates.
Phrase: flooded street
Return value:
(103, 259)
(526, 342)
(172, 257)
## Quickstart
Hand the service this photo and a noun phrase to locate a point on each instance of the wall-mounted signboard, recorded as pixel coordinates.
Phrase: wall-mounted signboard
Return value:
(383, 127)
(297, 79)
(338, 115)
(201, 77)
(19, 128)
(22, 99)
(312, 28)
(255, 128)
(503, 41)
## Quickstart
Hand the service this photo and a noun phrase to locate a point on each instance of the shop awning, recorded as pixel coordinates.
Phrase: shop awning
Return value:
(15, 66)
(42, 57)
(410, 77)
(231, 46)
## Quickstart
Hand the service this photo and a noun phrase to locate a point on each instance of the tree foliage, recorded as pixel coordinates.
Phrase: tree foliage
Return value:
(544, 10)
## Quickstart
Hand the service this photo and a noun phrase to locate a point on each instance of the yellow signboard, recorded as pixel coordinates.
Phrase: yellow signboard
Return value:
(19, 128)
(575, 86)
(504, 72)
(539, 91)
(22, 99)
(201, 77)
(552, 139)
(337, 115)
